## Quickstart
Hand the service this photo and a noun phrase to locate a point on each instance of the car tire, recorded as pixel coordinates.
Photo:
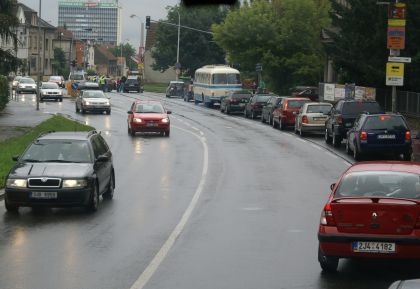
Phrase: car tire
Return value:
(9, 207)
(253, 115)
(109, 194)
(328, 264)
(407, 156)
(77, 110)
(281, 125)
(348, 150)
(327, 137)
(227, 110)
(61, 99)
(274, 124)
(108, 112)
(356, 155)
(82, 110)
(336, 140)
(94, 199)
(301, 132)
(167, 133)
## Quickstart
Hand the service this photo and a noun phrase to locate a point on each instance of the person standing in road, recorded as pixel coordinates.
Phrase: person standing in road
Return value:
(122, 83)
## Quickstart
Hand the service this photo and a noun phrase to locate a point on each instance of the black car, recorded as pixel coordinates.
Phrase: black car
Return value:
(267, 110)
(61, 169)
(254, 107)
(133, 84)
(235, 101)
(176, 89)
(342, 116)
(379, 133)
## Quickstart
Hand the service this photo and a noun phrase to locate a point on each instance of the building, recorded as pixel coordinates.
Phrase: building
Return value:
(96, 20)
(105, 61)
(65, 41)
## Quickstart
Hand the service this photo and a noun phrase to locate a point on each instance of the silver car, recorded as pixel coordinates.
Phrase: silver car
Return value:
(50, 90)
(92, 101)
(312, 117)
(26, 84)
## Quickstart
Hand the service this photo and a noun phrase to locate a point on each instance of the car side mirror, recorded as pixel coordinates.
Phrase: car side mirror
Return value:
(332, 186)
(15, 158)
(102, 158)
(168, 112)
(129, 112)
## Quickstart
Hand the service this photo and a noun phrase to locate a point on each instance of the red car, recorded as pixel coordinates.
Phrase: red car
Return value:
(373, 212)
(148, 116)
(286, 113)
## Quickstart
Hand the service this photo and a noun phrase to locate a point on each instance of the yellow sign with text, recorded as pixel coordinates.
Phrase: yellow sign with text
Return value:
(395, 69)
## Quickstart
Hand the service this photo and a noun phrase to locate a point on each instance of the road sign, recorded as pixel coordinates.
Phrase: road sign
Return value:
(396, 22)
(178, 65)
(394, 74)
(396, 11)
(396, 37)
(399, 59)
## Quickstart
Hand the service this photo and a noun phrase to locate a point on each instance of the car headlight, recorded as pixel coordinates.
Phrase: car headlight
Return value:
(107, 102)
(165, 120)
(137, 120)
(74, 183)
(16, 183)
(86, 102)
(44, 93)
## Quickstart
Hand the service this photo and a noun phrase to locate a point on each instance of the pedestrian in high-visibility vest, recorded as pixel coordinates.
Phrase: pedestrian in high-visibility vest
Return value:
(102, 82)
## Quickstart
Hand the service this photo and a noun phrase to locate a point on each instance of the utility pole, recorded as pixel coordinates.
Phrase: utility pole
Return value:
(178, 65)
(39, 56)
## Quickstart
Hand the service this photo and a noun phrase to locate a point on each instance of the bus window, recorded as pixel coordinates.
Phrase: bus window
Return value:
(233, 78)
(219, 78)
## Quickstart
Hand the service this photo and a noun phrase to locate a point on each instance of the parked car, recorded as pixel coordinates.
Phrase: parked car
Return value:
(267, 110)
(372, 212)
(343, 115)
(50, 90)
(175, 88)
(379, 133)
(254, 107)
(15, 81)
(133, 84)
(235, 101)
(26, 84)
(405, 284)
(61, 169)
(58, 79)
(148, 116)
(92, 101)
(312, 117)
(284, 115)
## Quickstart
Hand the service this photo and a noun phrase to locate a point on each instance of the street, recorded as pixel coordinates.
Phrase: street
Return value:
(225, 202)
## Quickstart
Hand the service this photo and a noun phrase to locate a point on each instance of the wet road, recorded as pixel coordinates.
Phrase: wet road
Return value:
(225, 202)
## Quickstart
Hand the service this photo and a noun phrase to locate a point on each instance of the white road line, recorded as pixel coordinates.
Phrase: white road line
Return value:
(164, 250)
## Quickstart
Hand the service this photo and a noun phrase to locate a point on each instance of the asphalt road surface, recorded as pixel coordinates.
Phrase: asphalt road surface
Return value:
(225, 202)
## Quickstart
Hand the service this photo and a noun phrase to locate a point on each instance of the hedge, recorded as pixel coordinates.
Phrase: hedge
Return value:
(4, 92)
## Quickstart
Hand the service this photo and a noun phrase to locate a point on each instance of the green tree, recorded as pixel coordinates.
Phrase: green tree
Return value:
(8, 23)
(59, 64)
(128, 51)
(196, 48)
(282, 35)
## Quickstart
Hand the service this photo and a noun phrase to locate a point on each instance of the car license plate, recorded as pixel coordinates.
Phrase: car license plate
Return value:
(43, 195)
(373, 247)
(151, 124)
(320, 118)
(386, 136)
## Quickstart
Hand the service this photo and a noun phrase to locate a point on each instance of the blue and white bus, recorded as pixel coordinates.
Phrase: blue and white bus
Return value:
(212, 82)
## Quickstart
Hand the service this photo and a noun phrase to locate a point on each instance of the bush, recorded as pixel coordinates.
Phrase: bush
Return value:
(4, 92)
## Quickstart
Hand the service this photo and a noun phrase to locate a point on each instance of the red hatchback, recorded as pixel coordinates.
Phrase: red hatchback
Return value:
(286, 113)
(148, 116)
(373, 212)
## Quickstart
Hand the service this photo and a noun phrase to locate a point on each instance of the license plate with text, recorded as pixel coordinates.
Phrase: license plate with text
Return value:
(373, 247)
(43, 195)
(386, 136)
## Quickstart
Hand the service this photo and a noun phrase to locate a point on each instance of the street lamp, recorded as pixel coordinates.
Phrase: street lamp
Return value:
(177, 48)
(141, 50)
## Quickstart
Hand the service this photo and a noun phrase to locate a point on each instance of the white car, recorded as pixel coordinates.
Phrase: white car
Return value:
(92, 101)
(16, 81)
(26, 84)
(50, 90)
(312, 117)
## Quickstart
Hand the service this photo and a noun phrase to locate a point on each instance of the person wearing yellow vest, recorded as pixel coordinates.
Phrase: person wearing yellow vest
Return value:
(102, 81)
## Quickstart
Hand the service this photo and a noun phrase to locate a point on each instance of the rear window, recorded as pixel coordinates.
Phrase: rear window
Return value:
(241, 96)
(385, 122)
(318, 108)
(295, 103)
(381, 184)
(262, 98)
(359, 107)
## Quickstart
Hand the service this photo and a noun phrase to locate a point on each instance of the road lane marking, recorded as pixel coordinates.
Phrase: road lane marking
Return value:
(164, 250)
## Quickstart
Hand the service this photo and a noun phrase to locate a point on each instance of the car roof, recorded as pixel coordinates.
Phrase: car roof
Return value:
(176, 82)
(318, 103)
(148, 101)
(67, 135)
(297, 98)
(394, 166)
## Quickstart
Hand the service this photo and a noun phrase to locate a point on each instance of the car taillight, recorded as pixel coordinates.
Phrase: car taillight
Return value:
(304, 119)
(338, 119)
(363, 135)
(407, 135)
(327, 218)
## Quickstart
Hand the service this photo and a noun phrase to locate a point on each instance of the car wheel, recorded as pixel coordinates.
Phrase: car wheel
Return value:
(407, 156)
(77, 110)
(348, 150)
(356, 155)
(82, 110)
(274, 124)
(336, 140)
(109, 194)
(327, 136)
(167, 133)
(301, 132)
(10, 207)
(94, 198)
(227, 110)
(269, 119)
(253, 115)
(108, 112)
(281, 125)
(61, 100)
(328, 264)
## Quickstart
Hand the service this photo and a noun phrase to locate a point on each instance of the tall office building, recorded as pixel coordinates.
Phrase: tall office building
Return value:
(97, 20)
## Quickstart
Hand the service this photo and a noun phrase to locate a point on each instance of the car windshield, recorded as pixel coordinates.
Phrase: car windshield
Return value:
(177, 85)
(358, 107)
(295, 103)
(26, 80)
(133, 80)
(93, 94)
(385, 122)
(379, 183)
(58, 151)
(149, 108)
(77, 77)
(317, 108)
(55, 78)
(262, 98)
(49, 86)
(241, 96)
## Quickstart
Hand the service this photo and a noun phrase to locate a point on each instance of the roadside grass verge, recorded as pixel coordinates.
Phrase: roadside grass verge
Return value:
(16, 145)
(155, 87)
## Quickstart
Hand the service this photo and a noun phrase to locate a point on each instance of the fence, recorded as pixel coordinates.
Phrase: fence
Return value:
(408, 103)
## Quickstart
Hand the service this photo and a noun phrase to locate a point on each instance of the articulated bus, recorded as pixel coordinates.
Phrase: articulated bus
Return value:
(212, 82)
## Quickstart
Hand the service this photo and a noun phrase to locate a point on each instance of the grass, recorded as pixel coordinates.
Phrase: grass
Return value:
(16, 145)
(155, 87)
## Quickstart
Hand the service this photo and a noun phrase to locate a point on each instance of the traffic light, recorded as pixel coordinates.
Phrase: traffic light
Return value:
(73, 63)
(147, 22)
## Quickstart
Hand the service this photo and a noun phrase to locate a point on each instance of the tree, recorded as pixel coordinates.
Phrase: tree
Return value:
(128, 51)
(282, 35)
(8, 23)
(59, 64)
(196, 48)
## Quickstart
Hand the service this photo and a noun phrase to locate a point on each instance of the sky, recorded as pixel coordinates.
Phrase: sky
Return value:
(130, 26)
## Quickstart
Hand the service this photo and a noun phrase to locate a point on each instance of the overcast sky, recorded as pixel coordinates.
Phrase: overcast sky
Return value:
(131, 26)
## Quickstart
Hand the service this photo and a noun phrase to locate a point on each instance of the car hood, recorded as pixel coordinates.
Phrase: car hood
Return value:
(67, 170)
(150, 116)
(55, 90)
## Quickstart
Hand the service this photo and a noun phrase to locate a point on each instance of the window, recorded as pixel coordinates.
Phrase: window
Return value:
(318, 108)
(295, 103)
(385, 122)
(359, 107)
(219, 78)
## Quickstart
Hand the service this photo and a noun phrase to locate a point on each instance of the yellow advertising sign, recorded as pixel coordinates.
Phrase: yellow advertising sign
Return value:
(396, 22)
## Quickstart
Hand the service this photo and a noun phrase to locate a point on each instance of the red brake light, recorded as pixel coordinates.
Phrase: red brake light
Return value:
(363, 135)
(407, 135)
(285, 105)
(339, 119)
(304, 119)
(327, 218)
